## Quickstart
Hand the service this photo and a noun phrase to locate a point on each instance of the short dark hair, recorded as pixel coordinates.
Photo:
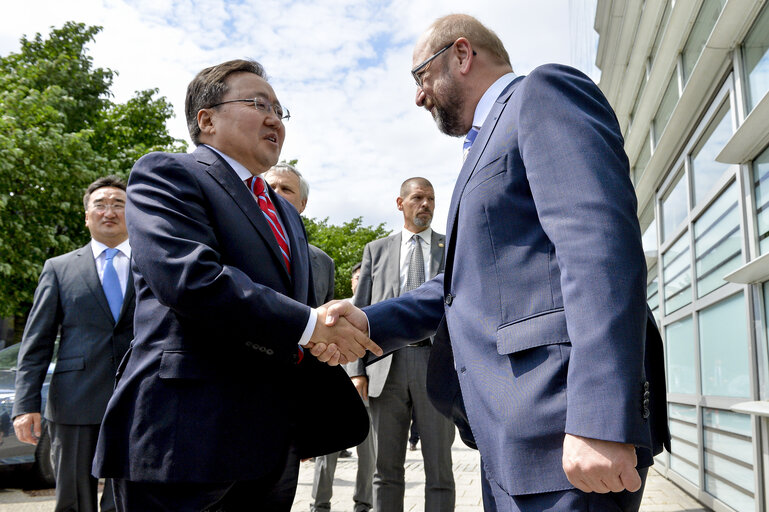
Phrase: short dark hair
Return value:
(355, 268)
(419, 181)
(106, 181)
(208, 88)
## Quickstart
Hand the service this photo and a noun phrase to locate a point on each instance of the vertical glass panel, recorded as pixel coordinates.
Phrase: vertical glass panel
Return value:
(679, 341)
(638, 98)
(705, 169)
(717, 243)
(684, 456)
(703, 26)
(661, 31)
(667, 104)
(728, 458)
(674, 208)
(755, 51)
(724, 349)
(761, 181)
(643, 159)
(676, 271)
(649, 239)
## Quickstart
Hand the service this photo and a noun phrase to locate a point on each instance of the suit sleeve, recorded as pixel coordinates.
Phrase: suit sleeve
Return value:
(362, 298)
(577, 170)
(330, 277)
(38, 342)
(176, 251)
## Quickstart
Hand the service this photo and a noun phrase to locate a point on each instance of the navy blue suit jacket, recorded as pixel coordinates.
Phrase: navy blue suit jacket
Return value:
(544, 288)
(210, 390)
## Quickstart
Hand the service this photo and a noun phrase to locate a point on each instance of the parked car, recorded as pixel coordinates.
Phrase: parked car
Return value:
(15, 455)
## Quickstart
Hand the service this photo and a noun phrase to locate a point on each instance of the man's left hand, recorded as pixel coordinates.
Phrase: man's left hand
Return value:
(593, 465)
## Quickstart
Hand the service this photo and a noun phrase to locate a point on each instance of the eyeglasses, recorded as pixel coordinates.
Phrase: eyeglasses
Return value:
(102, 208)
(420, 70)
(263, 105)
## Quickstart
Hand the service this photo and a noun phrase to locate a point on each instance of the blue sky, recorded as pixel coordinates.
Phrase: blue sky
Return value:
(340, 66)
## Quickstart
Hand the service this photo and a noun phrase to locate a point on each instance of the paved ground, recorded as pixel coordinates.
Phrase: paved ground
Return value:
(661, 495)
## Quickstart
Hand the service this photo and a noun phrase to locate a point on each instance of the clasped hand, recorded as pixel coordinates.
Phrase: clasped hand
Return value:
(340, 334)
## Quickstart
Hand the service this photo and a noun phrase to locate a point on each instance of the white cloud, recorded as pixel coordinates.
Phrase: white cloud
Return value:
(341, 66)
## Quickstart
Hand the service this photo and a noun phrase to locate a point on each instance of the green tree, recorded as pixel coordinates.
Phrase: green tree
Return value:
(344, 244)
(59, 130)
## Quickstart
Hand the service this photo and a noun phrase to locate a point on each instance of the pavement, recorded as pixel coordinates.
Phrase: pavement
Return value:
(661, 495)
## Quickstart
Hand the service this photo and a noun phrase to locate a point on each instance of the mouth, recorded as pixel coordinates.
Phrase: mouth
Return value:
(272, 138)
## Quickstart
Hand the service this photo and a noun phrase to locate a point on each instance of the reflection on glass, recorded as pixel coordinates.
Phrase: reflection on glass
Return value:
(684, 456)
(724, 349)
(667, 104)
(706, 170)
(761, 182)
(717, 244)
(703, 26)
(674, 208)
(755, 51)
(676, 270)
(728, 458)
(679, 340)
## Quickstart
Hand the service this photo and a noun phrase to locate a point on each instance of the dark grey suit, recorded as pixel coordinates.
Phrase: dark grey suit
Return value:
(69, 300)
(322, 275)
(397, 385)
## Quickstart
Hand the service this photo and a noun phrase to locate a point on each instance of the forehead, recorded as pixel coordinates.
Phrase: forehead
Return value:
(103, 193)
(421, 49)
(242, 85)
(284, 178)
(420, 190)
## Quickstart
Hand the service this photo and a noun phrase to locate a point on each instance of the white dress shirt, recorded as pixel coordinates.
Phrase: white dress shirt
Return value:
(407, 246)
(121, 261)
(489, 97)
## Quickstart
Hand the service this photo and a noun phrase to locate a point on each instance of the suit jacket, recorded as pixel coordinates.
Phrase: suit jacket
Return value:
(544, 287)
(69, 300)
(323, 275)
(380, 279)
(211, 390)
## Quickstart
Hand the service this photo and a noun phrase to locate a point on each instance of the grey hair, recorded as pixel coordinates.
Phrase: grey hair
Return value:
(284, 168)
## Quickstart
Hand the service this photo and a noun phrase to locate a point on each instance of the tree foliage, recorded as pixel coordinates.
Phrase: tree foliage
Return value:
(344, 244)
(59, 131)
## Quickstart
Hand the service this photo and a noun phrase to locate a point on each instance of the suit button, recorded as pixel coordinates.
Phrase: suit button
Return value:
(449, 299)
(646, 413)
(646, 386)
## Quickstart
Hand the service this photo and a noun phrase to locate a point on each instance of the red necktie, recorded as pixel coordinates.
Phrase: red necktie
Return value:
(256, 184)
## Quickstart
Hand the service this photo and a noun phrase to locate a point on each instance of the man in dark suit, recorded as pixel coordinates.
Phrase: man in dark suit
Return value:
(396, 384)
(217, 398)
(87, 297)
(560, 367)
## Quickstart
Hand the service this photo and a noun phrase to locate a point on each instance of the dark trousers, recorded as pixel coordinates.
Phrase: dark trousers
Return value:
(73, 448)
(570, 500)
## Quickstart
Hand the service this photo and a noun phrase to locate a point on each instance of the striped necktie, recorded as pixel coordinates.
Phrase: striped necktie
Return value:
(257, 186)
(469, 139)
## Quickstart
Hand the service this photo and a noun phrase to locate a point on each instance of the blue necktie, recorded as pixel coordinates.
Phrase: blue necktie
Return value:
(469, 139)
(111, 284)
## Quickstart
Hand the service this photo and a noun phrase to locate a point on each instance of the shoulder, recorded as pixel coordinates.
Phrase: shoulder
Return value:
(67, 258)
(551, 80)
(384, 242)
(317, 252)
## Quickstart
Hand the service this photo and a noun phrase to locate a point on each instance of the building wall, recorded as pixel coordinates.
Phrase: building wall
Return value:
(689, 82)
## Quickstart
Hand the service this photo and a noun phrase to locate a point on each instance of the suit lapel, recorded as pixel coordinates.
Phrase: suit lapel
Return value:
(393, 268)
(128, 297)
(300, 262)
(243, 198)
(87, 270)
(437, 243)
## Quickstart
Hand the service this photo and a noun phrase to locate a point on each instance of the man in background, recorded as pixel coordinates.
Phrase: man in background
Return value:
(87, 297)
(396, 386)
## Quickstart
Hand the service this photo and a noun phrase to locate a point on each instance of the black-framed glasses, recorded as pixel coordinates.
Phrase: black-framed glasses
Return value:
(262, 105)
(418, 71)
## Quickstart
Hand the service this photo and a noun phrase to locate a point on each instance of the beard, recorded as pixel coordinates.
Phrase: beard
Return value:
(422, 222)
(448, 116)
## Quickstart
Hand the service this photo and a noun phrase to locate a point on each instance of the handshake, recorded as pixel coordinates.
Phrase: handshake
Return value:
(341, 334)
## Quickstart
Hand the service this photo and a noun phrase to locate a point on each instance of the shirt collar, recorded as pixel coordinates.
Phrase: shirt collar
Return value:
(239, 168)
(424, 235)
(489, 97)
(97, 248)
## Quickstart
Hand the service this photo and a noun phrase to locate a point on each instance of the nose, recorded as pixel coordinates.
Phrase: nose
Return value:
(420, 99)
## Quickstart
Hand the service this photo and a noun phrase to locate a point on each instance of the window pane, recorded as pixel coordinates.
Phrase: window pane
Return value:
(684, 451)
(668, 103)
(703, 26)
(649, 239)
(706, 170)
(642, 161)
(676, 270)
(674, 208)
(755, 51)
(679, 341)
(717, 245)
(761, 180)
(728, 458)
(663, 25)
(724, 349)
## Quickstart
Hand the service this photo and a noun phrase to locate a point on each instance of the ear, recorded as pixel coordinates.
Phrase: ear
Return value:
(206, 122)
(399, 202)
(464, 52)
(304, 205)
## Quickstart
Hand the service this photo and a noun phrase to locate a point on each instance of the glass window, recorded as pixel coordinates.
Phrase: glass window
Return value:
(649, 239)
(717, 245)
(724, 349)
(653, 297)
(643, 159)
(703, 26)
(638, 99)
(679, 341)
(761, 181)
(674, 208)
(755, 51)
(676, 270)
(684, 449)
(705, 170)
(667, 104)
(728, 458)
(661, 31)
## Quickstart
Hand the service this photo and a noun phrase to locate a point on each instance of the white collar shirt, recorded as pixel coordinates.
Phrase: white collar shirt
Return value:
(407, 246)
(121, 261)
